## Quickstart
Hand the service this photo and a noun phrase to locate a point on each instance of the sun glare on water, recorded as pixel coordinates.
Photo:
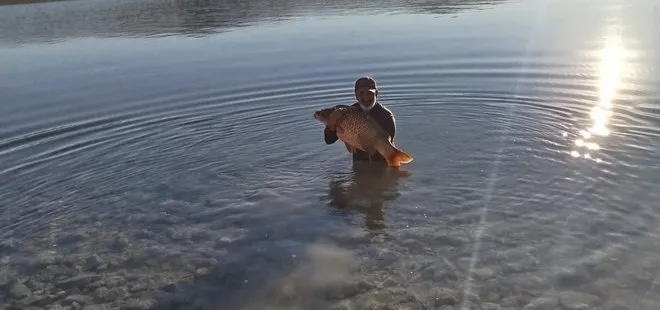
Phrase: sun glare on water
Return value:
(611, 66)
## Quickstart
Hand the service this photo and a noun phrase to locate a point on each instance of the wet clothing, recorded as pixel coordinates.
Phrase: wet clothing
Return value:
(383, 116)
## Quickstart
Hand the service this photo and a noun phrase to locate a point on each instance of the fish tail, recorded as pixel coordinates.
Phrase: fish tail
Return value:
(395, 157)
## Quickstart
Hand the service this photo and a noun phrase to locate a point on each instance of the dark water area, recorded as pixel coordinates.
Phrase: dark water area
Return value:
(163, 155)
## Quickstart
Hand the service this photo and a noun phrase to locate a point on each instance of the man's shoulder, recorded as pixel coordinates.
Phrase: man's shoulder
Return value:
(384, 110)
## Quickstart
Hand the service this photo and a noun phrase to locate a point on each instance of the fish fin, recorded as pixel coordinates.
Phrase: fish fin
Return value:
(397, 157)
(350, 148)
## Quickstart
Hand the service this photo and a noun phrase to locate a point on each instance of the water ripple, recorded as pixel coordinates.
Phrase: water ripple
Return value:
(208, 171)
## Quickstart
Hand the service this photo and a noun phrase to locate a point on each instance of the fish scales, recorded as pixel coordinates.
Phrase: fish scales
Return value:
(358, 130)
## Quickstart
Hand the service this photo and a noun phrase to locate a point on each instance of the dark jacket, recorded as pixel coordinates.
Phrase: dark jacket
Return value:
(383, 116)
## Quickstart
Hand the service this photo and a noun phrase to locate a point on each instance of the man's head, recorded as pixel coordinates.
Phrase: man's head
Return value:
(366, 92)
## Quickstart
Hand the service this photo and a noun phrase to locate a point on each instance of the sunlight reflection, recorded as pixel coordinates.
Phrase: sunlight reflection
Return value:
(610, 74)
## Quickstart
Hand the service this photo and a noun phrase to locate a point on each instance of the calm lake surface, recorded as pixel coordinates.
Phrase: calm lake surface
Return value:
(163, 155)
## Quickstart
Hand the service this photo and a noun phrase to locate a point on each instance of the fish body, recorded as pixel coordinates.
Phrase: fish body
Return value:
(359, 130)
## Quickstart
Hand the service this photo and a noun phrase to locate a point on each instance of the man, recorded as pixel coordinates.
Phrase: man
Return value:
(366, 94)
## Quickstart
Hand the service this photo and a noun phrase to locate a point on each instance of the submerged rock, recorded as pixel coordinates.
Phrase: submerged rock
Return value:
(76, 299)
(483, 273)
(341, 306)
(81, 280)
(35, 285)
(570, 278)
(445, 296)
(542, 303)
(70, 238)
(617, 306)
(138, 303)
(94, 262)
(490, 306)
(8, 247)
(18, 290)
(114, 281)
(577, 300)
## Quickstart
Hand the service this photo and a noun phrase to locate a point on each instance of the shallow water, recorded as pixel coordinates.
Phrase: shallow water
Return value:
(163, 155)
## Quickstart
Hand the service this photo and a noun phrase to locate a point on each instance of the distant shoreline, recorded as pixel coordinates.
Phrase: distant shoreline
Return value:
(16, 2)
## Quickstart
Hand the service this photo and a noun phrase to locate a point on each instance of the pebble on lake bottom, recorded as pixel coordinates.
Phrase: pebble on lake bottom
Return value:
(163, 263)
(577, 300)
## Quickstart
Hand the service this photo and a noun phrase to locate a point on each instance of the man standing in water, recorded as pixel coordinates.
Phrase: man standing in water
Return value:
(366, 94)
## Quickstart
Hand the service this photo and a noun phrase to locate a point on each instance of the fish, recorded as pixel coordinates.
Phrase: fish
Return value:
(360, 131)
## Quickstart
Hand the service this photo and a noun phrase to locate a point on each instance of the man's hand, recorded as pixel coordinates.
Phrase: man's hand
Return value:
(329, 135)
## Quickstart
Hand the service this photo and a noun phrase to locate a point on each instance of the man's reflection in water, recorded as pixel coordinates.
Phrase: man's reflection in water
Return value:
(366, 190)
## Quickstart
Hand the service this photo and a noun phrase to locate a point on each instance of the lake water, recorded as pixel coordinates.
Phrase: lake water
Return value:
(163, 155)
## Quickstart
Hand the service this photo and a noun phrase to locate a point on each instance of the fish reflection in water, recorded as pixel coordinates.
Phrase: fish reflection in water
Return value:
(366, 189)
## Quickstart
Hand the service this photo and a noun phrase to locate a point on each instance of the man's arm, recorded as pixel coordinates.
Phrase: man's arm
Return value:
(330, 136)
(389, 124)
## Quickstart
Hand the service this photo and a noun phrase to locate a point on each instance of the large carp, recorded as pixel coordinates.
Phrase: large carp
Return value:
(359, 130)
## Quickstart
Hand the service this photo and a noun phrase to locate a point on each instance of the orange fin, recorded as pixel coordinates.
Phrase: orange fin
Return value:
(398, 157)
(349, 148)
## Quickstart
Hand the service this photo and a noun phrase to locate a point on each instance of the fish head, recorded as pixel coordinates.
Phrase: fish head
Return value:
(330, 116)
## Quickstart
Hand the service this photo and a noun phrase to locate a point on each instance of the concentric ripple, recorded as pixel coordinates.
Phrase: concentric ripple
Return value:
(169, 156)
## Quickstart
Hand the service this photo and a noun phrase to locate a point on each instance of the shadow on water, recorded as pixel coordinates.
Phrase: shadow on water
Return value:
(266, 275)
(366, 190)
(56, 21)
(320, 276)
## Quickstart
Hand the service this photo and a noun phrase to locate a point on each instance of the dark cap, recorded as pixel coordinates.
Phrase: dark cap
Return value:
(366, 81)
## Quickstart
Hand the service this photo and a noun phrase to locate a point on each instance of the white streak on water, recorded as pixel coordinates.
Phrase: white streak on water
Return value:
(491, 182)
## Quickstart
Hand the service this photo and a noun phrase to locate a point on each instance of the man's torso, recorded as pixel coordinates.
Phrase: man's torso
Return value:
(383, 116)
